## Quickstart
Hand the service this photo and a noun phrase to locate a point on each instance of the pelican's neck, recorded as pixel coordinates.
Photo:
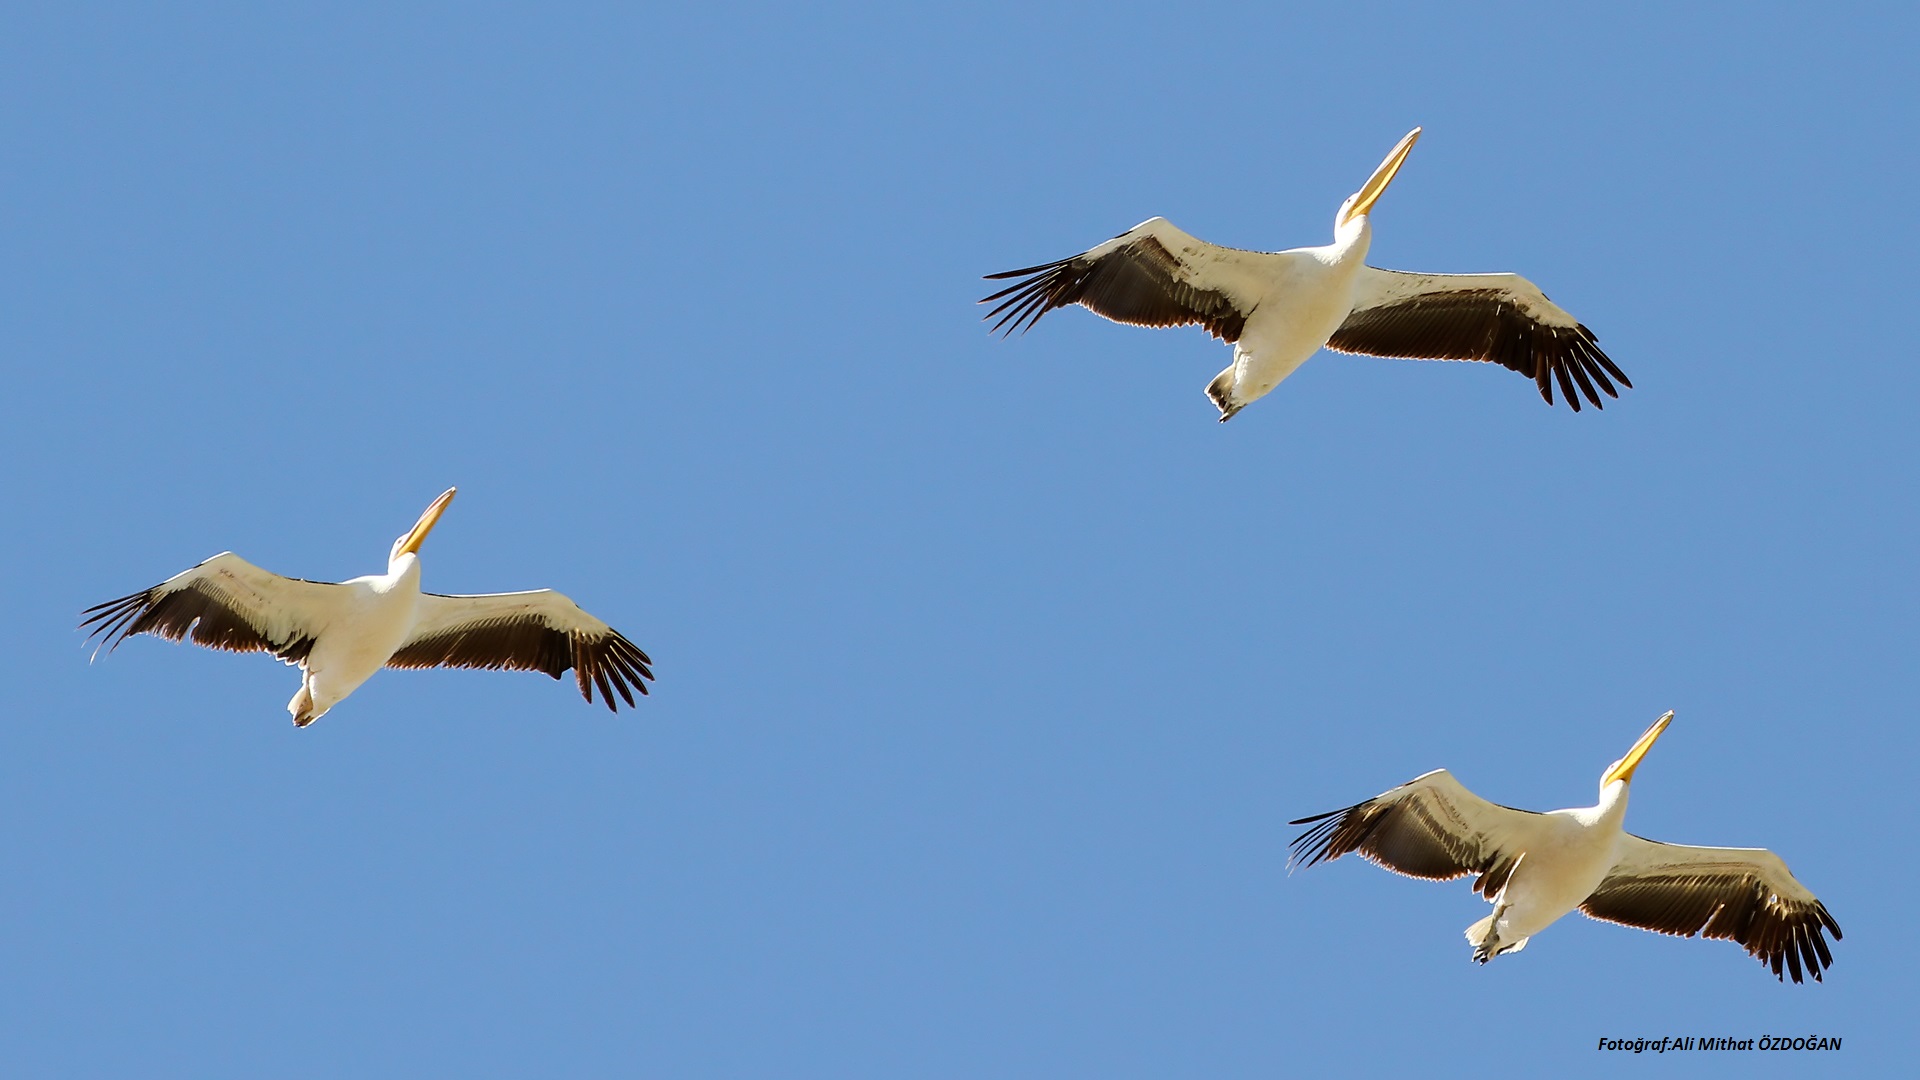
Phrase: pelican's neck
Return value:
(403, 570)
(1613, 801)
(1351, 238)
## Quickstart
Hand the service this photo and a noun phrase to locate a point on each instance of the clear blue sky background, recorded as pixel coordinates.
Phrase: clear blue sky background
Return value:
(989, 671)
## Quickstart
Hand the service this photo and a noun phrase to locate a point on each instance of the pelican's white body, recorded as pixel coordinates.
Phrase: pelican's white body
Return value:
(371, 617)
(1298, 309)
(1568, 854)
(1294, 299)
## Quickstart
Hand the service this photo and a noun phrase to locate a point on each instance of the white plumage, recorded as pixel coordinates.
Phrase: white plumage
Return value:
(339, 635)
(1279, 308)
(1536, 867)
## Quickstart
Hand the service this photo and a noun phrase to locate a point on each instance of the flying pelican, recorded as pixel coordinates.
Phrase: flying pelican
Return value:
(339, 635)
(1537, 867)
(1278, 308)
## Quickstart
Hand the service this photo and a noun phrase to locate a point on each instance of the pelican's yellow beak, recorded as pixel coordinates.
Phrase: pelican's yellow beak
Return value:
(1376, 184)
(425, 525)
(1623, 769)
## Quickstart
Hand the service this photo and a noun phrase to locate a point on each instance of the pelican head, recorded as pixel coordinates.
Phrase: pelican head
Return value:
(1622, 770)
(409, 543)
(1360, 202)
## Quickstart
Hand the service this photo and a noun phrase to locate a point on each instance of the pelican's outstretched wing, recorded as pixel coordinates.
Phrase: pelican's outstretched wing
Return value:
(525, 631)
(224, 603)
(1151, 275)
(1429, 827)
(1739, 894)
(1501, 318)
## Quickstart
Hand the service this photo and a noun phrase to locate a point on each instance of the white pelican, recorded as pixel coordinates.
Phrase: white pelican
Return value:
(1537, 867)
(1278, 308)
(339, 635)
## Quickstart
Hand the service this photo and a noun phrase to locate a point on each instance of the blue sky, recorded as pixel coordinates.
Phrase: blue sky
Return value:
(989, 672)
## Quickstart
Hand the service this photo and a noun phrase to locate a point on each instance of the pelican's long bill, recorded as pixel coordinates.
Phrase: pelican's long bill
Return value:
(425, 525)
(1376, 184)
(1623, 770)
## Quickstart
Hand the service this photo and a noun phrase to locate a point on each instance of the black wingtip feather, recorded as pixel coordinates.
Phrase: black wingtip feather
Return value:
(1566, 388)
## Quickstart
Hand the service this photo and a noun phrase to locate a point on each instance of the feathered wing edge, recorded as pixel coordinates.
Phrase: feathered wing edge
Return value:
(1728, 894)
(524, 638)
(218, 604)
(1136, 278)
(1420, 829)
(1496, 318)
